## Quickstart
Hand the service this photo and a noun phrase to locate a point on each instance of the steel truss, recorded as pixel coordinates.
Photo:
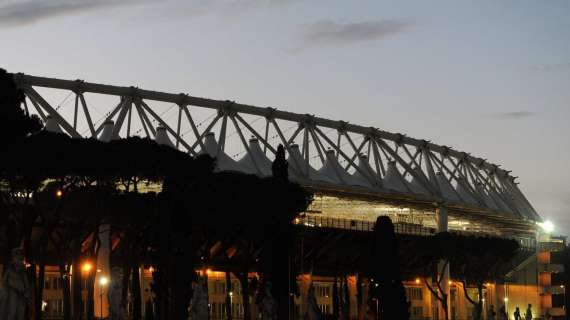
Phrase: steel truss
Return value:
(322, 153)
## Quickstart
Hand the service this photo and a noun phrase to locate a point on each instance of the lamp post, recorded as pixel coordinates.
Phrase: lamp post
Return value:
(102, 282)
(563, 297)
(231, 303)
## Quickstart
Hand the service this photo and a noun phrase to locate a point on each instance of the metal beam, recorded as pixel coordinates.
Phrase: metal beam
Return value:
(53, 113)
(23, 79)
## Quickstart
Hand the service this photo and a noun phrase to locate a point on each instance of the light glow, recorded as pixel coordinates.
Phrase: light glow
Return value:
(103, 281)
(547, 226)
(87, 266)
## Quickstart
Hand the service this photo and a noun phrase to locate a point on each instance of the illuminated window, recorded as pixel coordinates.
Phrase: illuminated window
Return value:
(414, 293)
(322, 291)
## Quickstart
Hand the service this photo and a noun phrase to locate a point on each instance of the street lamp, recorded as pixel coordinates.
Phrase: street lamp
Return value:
(564, 295)
(87, 266)
(231, 302)
(102, 282)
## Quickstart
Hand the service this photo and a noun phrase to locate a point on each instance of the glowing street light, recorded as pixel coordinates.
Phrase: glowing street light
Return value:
(87, 267)
(547, 226)
(102, 282)
(59, 193)
(417, 280)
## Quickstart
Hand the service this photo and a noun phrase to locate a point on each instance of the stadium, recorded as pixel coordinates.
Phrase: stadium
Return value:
(356, 173)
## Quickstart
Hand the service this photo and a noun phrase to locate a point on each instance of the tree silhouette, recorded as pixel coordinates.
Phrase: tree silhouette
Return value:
(104, 182)
(472, 260)
(280, 166)
(480, 260)
(386, 282)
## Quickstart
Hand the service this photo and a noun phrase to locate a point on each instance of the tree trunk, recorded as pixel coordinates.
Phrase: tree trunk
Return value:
(90, 296)
(125, 285)
(90, 301)
(40, 286)
(136, 291)
(335, 299)
(444, 305)
(76, 283)
(66, 292)
(245, 294)
(359, 310)
(32, 277)
(228, 296)
(480, 302)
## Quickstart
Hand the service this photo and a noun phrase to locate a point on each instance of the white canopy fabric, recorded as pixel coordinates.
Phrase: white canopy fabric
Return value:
(307, 171)
(393, 179)
(447, 190)
(223, 161)
(367, 174)
(415, 185)
(107, 133)
(52, 126)
(464, 193)
(333, 170)
(486, 198)
(162, 138)
(256, 162)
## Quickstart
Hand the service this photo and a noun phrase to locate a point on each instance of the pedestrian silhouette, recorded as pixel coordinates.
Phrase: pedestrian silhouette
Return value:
(528, 313)
(517, 314)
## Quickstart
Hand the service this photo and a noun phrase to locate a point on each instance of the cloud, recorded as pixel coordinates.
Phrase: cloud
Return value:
(32, 11)
(550, 67)
(330, 33)
(226, 8)
(510, 115)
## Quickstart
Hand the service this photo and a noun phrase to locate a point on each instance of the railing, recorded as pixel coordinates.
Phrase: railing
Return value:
(360, 225)
(399, 227)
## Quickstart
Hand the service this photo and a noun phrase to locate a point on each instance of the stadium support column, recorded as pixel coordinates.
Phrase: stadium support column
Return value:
(443, 267)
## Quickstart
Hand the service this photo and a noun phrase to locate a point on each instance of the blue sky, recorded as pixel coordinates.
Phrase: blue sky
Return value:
(488, 77)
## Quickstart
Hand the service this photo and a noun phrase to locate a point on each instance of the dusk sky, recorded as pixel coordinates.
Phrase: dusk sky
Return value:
(488, 77)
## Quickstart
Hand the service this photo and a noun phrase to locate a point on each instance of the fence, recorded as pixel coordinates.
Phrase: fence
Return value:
(526, 243)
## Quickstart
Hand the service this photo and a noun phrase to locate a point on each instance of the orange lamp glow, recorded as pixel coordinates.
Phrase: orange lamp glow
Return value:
(417, 280)
(59, 193)
(87, 266)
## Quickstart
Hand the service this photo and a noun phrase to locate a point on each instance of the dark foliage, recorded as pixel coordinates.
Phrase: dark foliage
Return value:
(14, 122)
(386, 282)
(280, 166)
(77, 184)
